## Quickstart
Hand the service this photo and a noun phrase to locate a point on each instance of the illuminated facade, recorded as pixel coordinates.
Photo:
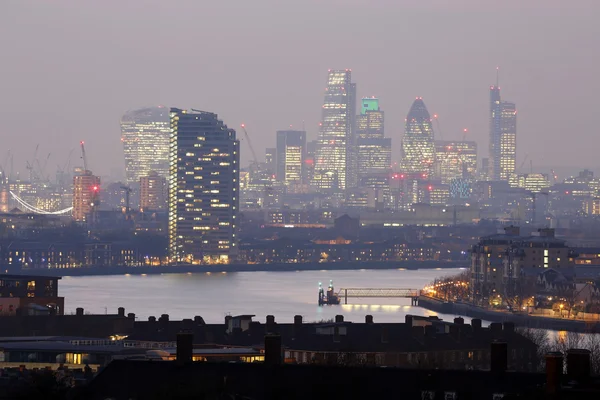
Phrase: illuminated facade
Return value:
(153, 192)
(418, 148)
(503, 137)
(374, 151)
(145, 136)
(203, 188)
(455, 159)
(291, 152)
(86, 188)
(336, 149)
(534, 183)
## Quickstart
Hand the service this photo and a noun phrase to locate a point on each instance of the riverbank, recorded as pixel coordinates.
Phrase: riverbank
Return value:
(179, 269)
(521, 320)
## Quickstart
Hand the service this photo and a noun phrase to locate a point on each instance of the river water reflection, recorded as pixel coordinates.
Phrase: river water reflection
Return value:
(212, 296)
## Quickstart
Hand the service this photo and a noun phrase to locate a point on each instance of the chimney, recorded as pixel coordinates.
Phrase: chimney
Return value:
(509, 327)
(554, 368)
(121, 312)
(228, 319)
(151, 319)
(79, 311)
(273, 350)
(297, 319)
(199, 320)
(131, 316)
(185, 347)
(476, 323)
(578, 365)
(270, 326)
(459, 321)
(496, 329)
(499, 357)
(368, 319)
(164, 318)
(339, 319)
(408, 320)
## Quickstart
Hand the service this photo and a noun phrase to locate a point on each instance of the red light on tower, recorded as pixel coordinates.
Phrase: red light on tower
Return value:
(430, 188)
(95, 188)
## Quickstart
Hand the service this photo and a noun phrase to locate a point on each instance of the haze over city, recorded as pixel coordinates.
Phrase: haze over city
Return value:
(71, 69)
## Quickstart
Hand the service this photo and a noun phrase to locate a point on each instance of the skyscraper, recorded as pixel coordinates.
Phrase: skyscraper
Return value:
(291, 152)
(503, 136)
(418, 149)
(374, 151)
(203, 188)
(153, 192)
(455, 159)
(145, 136)
(336, 151)
(86, 188)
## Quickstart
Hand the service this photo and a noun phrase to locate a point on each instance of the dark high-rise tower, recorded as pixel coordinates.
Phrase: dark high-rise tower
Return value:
(336, 151)
(418, 147)
(503, 136)
(203, 188)
(374, 151)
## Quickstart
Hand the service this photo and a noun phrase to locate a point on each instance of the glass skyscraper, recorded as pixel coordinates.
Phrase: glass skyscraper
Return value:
(203, 188)
(374, 151)
(336, 149)
(291, 153)
(145, 136)
(503, 137)
(418, 148)
(455, 159)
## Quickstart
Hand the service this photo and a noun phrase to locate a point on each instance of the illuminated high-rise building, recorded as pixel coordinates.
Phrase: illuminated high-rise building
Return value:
(455, 159)
(153, 192)
(86, 188)
(418, 148)
(203, 188)
(291, 152)
(503, 137)
(374, 151)
(145, 136)
(336, 150)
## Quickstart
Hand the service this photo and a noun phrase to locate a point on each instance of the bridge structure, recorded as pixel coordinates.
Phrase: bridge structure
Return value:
(349, 293)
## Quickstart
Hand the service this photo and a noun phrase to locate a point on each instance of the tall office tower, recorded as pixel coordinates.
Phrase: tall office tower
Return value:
(455, 159)
(145, 136)
(270, 159)
(203, 188)
(418, 148)
(374, 151)
(336, 150)
(86, 189)
(153, 192)
(309, 161)
(291, 152)
(503, 136)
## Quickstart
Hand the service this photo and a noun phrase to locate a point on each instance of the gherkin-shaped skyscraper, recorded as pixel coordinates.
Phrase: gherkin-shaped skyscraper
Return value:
(418, 146)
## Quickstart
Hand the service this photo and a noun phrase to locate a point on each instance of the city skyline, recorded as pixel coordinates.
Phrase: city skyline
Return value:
(541, 70)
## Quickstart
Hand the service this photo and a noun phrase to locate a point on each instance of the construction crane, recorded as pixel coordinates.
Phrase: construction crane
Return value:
(83, 156)
(255, 159)
(31, 165)
(524, 161)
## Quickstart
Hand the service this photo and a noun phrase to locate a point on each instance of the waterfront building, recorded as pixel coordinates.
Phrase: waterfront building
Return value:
(418, 148)
(455, 159)
(145, 136)
(336, 149)
(203, 188)
(153, 192)
(503, 136)
(291, 153)
(29, 295)
(86, 190)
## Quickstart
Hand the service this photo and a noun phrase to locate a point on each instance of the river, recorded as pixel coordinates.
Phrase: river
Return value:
(214, 295)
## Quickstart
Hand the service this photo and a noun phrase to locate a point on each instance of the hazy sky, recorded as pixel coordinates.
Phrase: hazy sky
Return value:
(69, 69)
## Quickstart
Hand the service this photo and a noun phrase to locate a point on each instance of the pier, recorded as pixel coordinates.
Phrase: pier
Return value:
(331, 297)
